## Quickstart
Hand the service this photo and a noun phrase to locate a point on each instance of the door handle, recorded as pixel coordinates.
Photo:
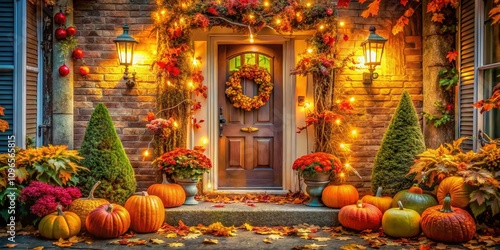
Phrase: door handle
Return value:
(249, 129)
(222, 121)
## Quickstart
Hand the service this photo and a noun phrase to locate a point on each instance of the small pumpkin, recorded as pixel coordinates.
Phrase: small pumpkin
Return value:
(147, 212)
(382, 202)
(171, 194)
(337, 196)
(401, 222)
(360, 216)
(415, 199)
(444, 223)
(83, 206)
(59, 224)
(458, 190)
(108, 221)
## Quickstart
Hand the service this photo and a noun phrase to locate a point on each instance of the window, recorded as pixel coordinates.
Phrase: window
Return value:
(490, 71)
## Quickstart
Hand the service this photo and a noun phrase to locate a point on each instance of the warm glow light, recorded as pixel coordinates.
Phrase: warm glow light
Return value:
(310, 50)
(337, 101)
(278, 21)
(190, 85)
(250, 16)
(146, 153)
(209, 185)
(163, 12)
(342, 24)
(308, 5)
(352, 99)
(307, 105)
(195, 61)
(321, 27)
(345, 147)
(205, 141)
(251, 38)
(181, 20)
(342, 145)
(342, 175)
(184, 6)
(266, 4)
(169, 83)
(354, 132)
(372, 55)
(176, 124)
(297, 14)
(337, 121)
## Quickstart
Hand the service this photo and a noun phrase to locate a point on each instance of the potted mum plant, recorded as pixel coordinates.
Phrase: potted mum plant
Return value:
(186, 167)
(316, 170)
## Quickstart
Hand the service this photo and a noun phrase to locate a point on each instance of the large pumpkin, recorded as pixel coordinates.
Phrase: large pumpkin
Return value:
(147, 213)
(83, 206)
(382, 202)
(415, 199)
(360, 216)
(171, 194)
(458, 190)
(401, 222)
(108, 221)
(59, 224)
(337, 196)
(445, 223)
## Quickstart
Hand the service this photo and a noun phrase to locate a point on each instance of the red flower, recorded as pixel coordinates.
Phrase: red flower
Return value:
(329, 11)
(317, 163)
(151, 116)
(449, 106)
(213, 11)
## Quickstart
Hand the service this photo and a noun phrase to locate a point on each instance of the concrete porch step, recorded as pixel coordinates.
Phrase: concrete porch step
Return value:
(261, 214)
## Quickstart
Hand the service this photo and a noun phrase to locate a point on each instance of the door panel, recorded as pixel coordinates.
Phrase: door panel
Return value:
(251, 159)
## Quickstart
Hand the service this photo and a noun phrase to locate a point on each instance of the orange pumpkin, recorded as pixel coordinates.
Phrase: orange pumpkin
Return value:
(382, 202)
(457, 188)
(108, 221)
(147, 213)
(172, 195)
(337, 196)
(360, 216)
(445, 223)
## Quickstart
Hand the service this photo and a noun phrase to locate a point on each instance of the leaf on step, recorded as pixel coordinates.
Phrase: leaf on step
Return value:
(191, 236)
(129, 235)
(322, 238)
(62, 243)
(171, 235)
(210, 241)
(156, 241)
(393, 243)
(376, 243)
(10, 245)
(275, 237)
(267, 241)
(175, 244)
(38, 248)
(136, 242)
(248, 227)
(441, 246)
(314, 246)
(219, 205)
(342, 238)
(89, 242)
(370, 236)
(353, 247)
(76, 239)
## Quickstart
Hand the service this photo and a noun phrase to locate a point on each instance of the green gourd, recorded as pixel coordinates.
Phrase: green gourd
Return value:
(401, 222)
(415, 199)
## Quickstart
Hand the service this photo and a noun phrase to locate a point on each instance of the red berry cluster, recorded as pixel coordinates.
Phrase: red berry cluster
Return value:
(61, 34)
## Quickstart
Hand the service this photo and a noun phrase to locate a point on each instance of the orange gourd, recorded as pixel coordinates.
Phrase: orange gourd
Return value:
(445, 223)
(83, 206)
(382, 202)
(108, 221)
(172, 195)
(337, 196)
(147, 212)
(360, 216)
(457, 188)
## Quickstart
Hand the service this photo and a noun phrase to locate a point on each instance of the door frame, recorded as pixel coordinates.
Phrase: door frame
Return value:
(289, 135)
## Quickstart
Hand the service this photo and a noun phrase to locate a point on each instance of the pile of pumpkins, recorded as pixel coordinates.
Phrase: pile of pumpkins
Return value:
(409, 212)
(143, 212)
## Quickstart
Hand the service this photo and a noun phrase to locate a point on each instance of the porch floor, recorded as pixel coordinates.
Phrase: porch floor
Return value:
(256, 214)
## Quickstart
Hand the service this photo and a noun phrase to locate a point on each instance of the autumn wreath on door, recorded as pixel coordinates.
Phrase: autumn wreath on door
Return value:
(259, 76)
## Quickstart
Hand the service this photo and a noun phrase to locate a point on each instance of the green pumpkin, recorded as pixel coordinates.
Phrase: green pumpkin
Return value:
(401, 222)
(415, 199)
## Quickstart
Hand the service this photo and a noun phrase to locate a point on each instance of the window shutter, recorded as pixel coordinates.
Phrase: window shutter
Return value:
(465, 119)
(6, 67)
(31, 71)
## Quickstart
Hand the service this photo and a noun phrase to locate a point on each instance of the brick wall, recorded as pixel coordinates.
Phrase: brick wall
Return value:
(401, 69)
(99, 22)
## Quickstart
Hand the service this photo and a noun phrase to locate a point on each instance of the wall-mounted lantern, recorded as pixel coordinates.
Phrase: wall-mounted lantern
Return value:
(373, 48)
(125, 47)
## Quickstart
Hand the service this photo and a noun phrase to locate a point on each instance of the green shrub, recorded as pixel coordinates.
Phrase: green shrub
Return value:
(105, 157)
(401, 143)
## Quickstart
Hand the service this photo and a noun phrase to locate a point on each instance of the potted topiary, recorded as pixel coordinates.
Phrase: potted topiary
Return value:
(186, 167)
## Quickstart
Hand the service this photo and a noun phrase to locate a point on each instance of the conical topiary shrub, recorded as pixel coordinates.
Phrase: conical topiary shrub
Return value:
(105, 157)
(402, 142)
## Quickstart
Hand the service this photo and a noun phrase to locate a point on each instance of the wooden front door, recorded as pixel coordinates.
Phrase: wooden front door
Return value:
(251, 160)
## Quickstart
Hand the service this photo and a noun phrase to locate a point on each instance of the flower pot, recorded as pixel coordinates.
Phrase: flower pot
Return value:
(190, 188)
(315, 185)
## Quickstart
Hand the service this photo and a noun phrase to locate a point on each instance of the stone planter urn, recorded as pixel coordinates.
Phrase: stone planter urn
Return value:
(315, 185)
(190, 188)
